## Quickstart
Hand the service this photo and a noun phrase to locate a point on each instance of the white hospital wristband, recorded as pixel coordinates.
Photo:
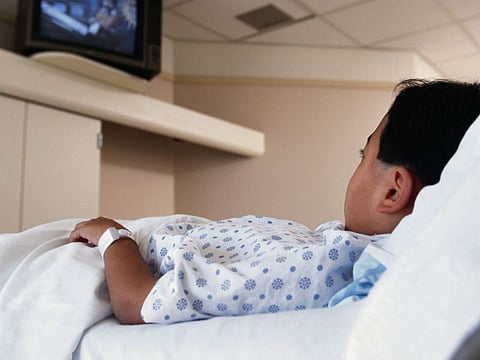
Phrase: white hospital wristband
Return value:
(110, 236)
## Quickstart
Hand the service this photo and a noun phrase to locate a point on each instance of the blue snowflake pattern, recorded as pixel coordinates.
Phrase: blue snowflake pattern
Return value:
(250, 284)
(329, 281)
(307, 255)
(182, 304)
(352, 256)
(247, 307)
(226, 285)
(157, 304)
(338, 239)
(222, 307)
(152, 264)
(281, 259)
(277, 284)
(201, 283)
(188, 256)
(273, 309)
(304, 283)
(197, 305)
(163, 251)
(333, 254)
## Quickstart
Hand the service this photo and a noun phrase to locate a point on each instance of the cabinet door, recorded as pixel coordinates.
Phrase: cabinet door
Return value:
(12, 124)
(62, 166)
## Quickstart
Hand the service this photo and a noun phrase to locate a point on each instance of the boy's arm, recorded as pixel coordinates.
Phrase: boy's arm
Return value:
(128, 277)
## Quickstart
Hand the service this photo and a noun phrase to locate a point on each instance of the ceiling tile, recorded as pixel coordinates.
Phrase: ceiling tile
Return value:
(177, 28)
(290, 6)
(321, 7)
(462, 9)
(465, 68)
(220, 15)
(383, 19)
(439, 44)
(310, 32)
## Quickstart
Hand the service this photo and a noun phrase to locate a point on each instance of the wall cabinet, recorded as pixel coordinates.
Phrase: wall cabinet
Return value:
(50, 165)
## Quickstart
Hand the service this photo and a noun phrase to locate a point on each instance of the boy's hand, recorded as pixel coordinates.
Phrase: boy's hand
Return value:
(128, 276)
(90, 231)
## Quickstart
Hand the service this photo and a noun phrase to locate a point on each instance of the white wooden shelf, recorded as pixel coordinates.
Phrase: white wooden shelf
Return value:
(44, 84)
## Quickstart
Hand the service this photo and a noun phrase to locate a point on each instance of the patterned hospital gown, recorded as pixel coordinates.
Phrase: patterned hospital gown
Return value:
(247, 265)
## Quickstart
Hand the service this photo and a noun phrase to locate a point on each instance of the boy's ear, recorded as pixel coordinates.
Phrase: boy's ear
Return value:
(399, 191)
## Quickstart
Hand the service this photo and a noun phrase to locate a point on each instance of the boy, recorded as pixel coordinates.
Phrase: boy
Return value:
(406, 152)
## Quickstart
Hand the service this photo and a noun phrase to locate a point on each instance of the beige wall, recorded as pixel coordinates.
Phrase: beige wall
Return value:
(313, 134)
(136, 174)
(137, 170)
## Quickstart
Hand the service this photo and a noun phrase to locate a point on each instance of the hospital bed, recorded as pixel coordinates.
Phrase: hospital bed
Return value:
(53, 301)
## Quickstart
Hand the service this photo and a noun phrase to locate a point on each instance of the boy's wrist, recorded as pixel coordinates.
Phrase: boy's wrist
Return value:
(111, 235)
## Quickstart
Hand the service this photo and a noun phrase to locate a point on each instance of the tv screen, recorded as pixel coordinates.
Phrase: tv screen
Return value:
(120, 33)
(107, 24)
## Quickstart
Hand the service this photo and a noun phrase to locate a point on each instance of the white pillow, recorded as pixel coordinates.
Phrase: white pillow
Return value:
(427, 301)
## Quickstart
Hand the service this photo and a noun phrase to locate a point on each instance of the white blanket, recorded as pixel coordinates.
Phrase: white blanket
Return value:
(52, 291)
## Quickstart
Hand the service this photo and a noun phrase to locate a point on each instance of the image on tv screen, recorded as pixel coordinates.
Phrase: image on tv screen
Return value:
(110, 25)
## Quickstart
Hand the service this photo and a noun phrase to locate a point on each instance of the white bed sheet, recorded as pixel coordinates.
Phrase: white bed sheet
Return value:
(306, 334)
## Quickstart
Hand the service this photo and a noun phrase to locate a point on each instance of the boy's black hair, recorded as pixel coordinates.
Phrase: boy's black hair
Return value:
(426, 123)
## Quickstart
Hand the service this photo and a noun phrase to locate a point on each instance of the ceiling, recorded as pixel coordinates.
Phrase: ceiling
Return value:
(445, 33)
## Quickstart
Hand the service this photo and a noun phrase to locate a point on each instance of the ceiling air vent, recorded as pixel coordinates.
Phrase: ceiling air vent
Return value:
(264, 17)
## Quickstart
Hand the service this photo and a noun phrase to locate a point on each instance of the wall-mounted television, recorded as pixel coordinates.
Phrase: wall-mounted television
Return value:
(125, 34)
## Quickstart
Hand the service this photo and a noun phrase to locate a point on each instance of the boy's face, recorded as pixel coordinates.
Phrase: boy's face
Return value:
(364, 188)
